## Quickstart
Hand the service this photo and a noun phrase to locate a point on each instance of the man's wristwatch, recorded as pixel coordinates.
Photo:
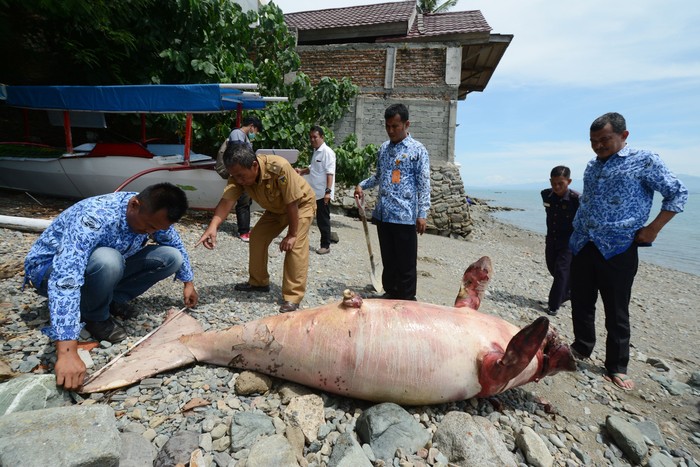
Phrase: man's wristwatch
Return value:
(328, 191)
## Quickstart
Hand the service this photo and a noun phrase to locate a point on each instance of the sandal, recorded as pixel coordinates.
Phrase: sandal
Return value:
(620, 380)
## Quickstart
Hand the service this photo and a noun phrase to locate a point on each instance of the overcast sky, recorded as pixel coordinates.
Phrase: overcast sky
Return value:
(568, 63)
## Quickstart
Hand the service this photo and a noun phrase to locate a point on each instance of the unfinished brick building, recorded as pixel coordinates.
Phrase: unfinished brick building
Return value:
(396, 54)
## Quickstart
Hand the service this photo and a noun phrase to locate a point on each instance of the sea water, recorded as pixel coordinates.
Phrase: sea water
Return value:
(677, 246)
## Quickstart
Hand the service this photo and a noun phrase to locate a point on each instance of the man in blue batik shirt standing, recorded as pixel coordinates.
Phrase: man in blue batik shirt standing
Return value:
(95, 257)
(618, 189)
(403, 177)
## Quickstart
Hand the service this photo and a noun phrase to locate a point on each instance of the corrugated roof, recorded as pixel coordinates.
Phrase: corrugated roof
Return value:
(364, 15)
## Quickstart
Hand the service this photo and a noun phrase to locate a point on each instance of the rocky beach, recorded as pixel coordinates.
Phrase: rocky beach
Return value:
(214, 416)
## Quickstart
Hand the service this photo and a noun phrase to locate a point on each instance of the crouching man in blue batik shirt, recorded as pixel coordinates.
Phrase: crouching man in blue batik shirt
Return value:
(403, 177)
(95, 257)
(618, 189)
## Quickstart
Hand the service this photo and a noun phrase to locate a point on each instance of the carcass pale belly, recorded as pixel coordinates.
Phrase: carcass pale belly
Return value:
(408, 352)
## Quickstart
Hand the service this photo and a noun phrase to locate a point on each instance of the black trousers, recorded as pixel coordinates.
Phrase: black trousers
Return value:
(613, 278)
(558, 258)
(323, 220)
(243, 213)
(399, 249)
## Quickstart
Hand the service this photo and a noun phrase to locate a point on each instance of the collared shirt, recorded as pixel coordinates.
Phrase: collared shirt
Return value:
(321, 165)
(277, 185)
(560, 215)
(404, 196)
(67, 244)
(239, 135)
(617, 197)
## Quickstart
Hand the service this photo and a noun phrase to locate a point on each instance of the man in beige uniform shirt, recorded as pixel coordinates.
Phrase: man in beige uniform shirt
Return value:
(288, 202)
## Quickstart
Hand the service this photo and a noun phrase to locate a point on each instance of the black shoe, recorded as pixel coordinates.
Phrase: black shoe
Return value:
(576, 354)
(246, 287)
(107, 330)
(122, 310)
(551, 312)
(289, 306)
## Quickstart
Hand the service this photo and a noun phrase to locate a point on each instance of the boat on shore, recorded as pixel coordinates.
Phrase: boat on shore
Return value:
(98, 167)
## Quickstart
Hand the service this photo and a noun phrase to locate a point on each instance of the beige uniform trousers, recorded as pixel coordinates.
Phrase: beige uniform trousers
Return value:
(296, 261)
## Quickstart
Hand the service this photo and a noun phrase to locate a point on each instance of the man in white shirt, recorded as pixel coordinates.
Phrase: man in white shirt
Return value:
(321, 177)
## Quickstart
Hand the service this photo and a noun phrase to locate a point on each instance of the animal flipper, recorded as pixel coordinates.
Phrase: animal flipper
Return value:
(159, 351)
(498, 368)
(474, 282)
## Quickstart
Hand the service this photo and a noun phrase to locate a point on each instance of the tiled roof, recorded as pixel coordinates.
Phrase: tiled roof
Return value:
(458, 22)
(352, 16)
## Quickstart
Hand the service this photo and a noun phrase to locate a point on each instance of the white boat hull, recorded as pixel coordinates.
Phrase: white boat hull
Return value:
(82, 177)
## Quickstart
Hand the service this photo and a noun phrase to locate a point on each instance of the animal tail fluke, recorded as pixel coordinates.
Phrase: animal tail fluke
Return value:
(159, 351)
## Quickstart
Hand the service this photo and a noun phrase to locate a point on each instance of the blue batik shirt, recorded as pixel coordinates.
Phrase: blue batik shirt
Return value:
(617, 197)
(67, 244)
(404, 201)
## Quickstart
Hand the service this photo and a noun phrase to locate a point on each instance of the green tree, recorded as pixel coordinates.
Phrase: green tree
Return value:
(433, 6)
(172, 41)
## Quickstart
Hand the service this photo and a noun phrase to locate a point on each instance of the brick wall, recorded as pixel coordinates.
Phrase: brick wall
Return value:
(364, 67)
(419, 83)
(420, 67)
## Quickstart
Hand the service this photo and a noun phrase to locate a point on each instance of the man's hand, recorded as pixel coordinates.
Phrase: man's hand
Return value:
(647, 234)
(288, 242)
(358, 193)
(191, 295)
(420, 225)
(327, 198)
(208, 238)
(69, 368)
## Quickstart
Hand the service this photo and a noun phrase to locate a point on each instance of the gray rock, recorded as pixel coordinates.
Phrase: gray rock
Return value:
(31, 392)
(660, 460)
(675, 388)
(533, 448)
(627, 437)
(68, 436)
(348, 453)
(247, 427)
(136, 451)
(388, 427)
(221, 459)
(651, 430)
(695, 379)
(272, 450)
(178, 449)
(468, 441)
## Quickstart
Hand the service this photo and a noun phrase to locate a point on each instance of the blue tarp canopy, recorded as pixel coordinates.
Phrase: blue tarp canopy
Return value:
(154, 98)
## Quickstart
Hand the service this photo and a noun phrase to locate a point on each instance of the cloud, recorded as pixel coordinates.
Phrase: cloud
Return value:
(597, 42)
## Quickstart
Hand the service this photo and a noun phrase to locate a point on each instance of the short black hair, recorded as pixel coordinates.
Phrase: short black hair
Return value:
(616, 121)
(560, 171)
(396, 109)
(252, 120)
(318, 130)
(166, 196)
(239, 153)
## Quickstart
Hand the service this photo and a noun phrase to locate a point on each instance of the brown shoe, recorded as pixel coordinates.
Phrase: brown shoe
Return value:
(289, 306)
(323, 251)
